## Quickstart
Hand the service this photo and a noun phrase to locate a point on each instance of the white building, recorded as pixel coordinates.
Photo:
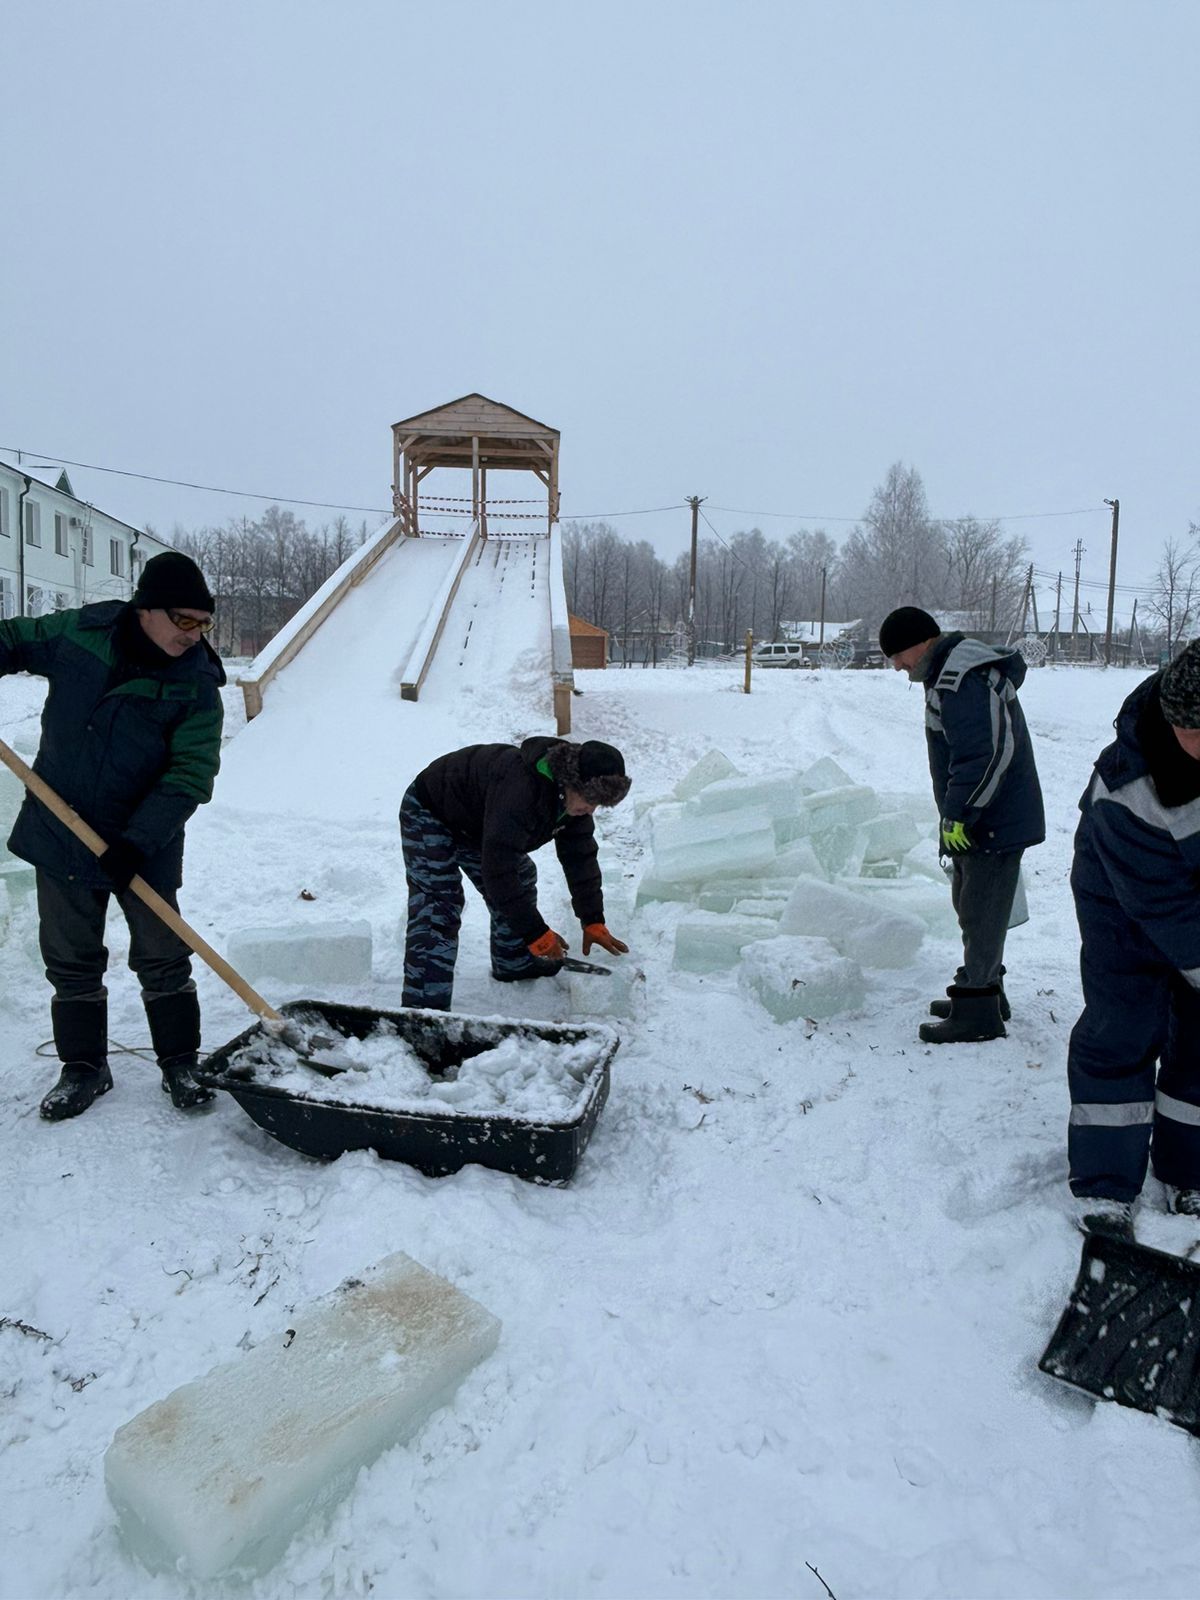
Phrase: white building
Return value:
(57, 551)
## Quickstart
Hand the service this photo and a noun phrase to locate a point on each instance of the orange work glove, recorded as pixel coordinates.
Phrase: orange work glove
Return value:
(597, 933)
(549, 946)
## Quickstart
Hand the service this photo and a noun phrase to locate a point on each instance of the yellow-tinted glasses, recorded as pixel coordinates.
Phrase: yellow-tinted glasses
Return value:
(191, 624)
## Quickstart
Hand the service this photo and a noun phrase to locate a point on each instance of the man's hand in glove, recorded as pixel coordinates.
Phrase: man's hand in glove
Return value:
(121, 862)
(597, 933)
(549, 946)
(955, 837)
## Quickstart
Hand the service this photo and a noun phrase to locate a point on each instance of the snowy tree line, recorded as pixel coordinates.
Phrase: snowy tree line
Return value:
(261, 571)
(897, 555)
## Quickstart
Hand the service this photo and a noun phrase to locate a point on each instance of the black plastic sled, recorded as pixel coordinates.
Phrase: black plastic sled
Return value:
(1131, 1330)
(437, 1144)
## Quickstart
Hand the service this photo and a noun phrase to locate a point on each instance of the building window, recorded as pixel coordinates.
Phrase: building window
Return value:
(8, 598)
(88, 558)
(116, 563)
(5, 528)
(33, 522)
(35, 600)
(60, 534)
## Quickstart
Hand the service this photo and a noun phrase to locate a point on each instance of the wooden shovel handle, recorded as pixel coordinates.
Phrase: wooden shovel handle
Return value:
(88, 836)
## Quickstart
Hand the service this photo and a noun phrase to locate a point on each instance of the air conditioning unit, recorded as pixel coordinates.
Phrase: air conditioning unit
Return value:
(75, 522)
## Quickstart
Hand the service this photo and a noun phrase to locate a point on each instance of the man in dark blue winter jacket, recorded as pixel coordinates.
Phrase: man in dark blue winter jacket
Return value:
(986, 787)
(1136, 882)
(480, 811)
(131, 737)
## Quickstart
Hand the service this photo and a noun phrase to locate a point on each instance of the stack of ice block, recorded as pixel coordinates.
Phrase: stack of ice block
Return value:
(797, 878)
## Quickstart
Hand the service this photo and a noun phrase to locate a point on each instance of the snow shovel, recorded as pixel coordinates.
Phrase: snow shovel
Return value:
(285, 1028)
(1131, 1330)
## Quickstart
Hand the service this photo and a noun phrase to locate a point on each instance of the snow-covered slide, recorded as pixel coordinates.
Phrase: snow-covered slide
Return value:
(333, 729)
(500, 616)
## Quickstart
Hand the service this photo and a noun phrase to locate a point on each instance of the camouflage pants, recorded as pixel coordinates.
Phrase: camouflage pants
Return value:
(434, 862)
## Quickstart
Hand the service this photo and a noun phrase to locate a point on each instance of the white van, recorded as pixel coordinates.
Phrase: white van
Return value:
(779, 655)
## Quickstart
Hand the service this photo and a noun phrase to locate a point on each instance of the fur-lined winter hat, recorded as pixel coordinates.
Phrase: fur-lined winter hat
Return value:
(1179, 689)
(595, 770)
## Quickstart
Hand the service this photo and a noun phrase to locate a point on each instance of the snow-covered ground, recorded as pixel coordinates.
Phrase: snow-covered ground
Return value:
(786, 1317)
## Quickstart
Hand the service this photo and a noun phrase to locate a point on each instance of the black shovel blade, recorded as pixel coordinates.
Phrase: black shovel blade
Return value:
(1131, 1330)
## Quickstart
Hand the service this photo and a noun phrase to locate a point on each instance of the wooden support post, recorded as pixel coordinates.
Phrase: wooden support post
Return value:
(562, 709)
(749, 649)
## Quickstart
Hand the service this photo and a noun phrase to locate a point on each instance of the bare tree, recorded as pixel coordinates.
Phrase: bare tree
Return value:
(1173, 597)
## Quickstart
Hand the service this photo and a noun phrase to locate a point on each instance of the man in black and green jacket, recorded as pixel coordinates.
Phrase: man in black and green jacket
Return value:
(131, 736)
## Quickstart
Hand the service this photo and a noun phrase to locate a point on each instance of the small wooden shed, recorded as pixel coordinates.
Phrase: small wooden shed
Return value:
(478, 434)
(589, 644)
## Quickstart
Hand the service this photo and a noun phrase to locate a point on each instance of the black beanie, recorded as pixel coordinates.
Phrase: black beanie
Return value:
(171, 580)
(1179, 689)
(908, 625)
(602, 780)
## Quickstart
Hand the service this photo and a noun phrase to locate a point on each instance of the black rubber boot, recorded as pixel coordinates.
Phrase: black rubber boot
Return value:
(974, 1017)
(81, 1039)
(536, 968)
(941, 1008)
(175, 1034)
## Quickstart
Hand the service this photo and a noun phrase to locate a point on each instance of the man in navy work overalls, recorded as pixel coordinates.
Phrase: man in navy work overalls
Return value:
(1134, 1060)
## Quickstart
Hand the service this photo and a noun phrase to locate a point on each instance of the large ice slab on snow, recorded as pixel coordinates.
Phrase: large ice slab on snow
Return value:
(798, 977)
(729, 844)
(224, 1471)
(777, 793)
(306, 952)
(858, 927)
(710, 768)
(706, 941)
(823, 774)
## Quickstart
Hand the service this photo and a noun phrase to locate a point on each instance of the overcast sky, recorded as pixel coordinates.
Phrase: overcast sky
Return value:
(753, 251)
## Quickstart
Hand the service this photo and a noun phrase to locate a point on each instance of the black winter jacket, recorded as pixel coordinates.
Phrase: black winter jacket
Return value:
(980, 754)
(1136, 848)
(494, 797)
(133, 748)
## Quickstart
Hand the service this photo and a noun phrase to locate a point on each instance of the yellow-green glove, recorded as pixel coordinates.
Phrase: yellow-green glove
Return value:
(955, 837)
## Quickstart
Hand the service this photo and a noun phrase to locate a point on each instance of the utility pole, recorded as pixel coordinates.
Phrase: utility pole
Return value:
(1057, 617)
(695, 501)
(1112, 580)
(1075, 607)
(821, 640)
(992, 623)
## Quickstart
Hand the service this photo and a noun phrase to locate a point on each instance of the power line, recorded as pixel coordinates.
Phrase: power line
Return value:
(812, 516)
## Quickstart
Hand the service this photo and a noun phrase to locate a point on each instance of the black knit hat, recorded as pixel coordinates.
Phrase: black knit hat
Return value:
(907, 625)
(1179, 688)
(172, 579)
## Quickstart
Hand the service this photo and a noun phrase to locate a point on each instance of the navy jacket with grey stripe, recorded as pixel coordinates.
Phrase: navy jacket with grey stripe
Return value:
(1133, 847)
(980, 754)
